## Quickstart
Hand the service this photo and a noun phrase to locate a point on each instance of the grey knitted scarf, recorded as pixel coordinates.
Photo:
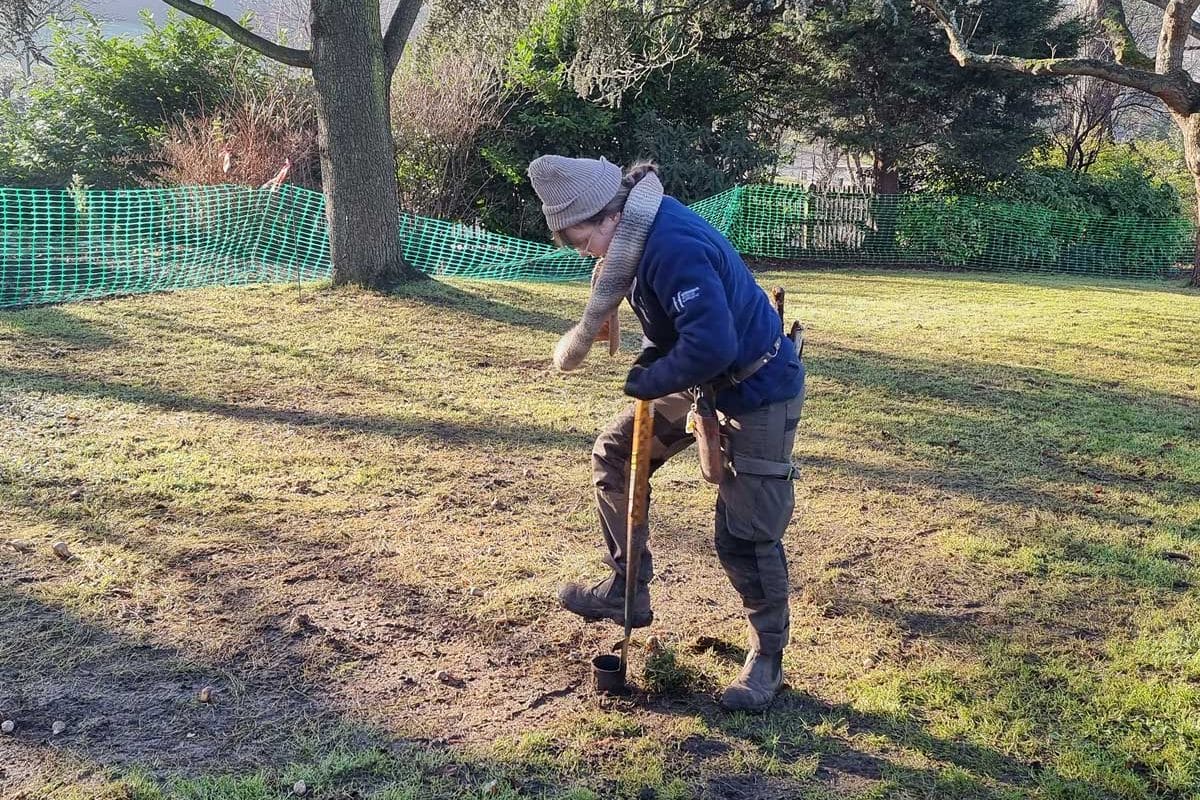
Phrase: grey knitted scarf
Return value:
(615, 275)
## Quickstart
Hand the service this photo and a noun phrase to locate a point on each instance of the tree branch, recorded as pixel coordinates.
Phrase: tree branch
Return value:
(243, 36)
(398, 29)
(1177, 89)
(1176, 28)
(1163, 4)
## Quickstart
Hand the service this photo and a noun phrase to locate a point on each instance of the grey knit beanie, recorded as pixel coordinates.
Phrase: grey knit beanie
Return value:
(573, 190)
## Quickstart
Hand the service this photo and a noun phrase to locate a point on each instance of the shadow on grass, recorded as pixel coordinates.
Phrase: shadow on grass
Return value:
(400, 427)
(1032, 440)
(993, 457)
(292, 618)
(462, 300)
(133, 714)
(133, 705)
(800, 726)
(856, 276)
(55, 327)
(1006, 431)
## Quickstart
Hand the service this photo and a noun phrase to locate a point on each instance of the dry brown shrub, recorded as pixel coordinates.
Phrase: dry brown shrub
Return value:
(246, 141)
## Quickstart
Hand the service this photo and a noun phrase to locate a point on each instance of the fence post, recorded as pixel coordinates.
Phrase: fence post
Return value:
(805, 212)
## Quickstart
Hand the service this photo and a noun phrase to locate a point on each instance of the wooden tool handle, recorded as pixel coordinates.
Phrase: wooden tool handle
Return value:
(639, 503)
(639, 463)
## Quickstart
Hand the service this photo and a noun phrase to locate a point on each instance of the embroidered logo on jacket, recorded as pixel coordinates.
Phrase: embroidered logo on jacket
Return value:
(683, 298)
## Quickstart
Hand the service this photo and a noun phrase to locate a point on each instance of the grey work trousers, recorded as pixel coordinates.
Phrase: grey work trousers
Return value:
(753, 511)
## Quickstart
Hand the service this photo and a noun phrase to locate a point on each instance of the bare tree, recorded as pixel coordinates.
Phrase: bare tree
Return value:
(352, 62)
(622, 41)
(1086, 117)
(1164, 76)
(288, 18)
(23, 28)
(448, 94)
(1093, 109)
(619, 44)
(1085, 120)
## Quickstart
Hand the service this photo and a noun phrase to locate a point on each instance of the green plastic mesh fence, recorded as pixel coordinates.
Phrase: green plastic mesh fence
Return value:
(58, 245)
(790, 224)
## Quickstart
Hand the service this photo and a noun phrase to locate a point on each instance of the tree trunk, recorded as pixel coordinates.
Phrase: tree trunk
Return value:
(1194, 281)
(881, 243)
(1189, 125)
(358, 169)
(885, 174)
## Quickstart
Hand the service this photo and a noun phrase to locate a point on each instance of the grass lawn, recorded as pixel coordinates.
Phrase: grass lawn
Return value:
(346, 515)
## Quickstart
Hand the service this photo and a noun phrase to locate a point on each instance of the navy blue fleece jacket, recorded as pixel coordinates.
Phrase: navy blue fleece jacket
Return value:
(703, 314)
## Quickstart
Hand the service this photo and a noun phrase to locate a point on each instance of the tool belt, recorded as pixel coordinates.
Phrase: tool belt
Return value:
(733, 377)
(715, 460)
(705, 425)
(742, 465)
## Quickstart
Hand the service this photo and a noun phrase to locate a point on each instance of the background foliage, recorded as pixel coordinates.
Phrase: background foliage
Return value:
(106, 104)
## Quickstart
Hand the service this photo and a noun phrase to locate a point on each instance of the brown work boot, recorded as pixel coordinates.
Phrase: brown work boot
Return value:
(756, 687)
(606, 600)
